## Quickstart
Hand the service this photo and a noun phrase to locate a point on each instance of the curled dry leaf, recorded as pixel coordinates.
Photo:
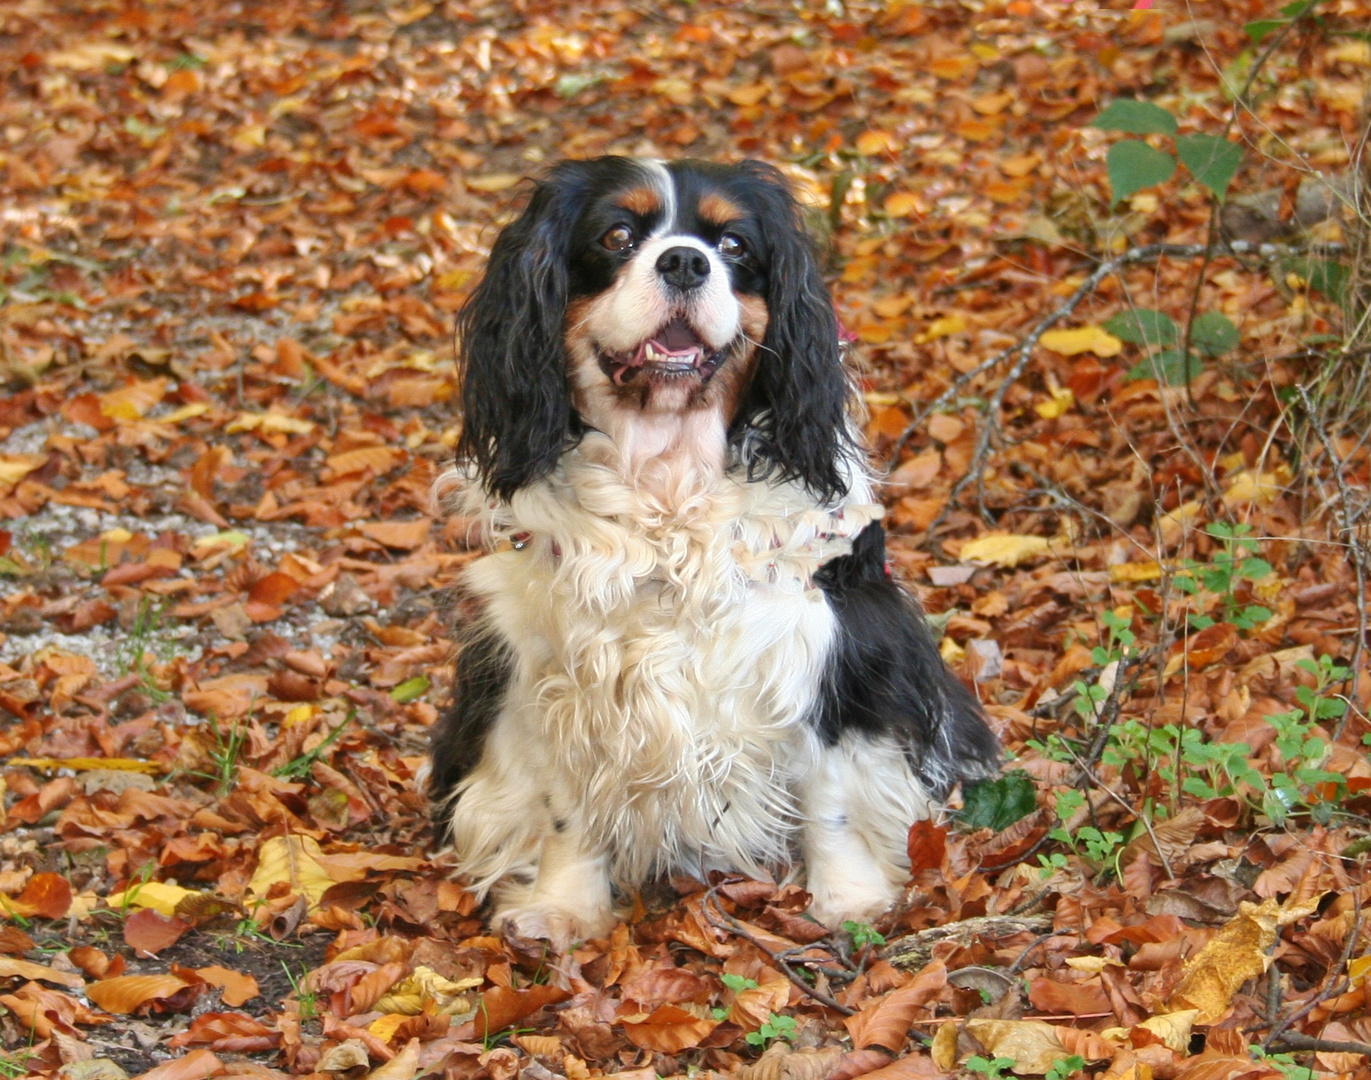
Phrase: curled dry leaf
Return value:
(45, 896)
(1032, 1045)
(228, 1032)
(346, 1056)
(197, 1065)
(125, 994)
(780, 1062)
(885, 1023)
(24, 969)
(403, 1066)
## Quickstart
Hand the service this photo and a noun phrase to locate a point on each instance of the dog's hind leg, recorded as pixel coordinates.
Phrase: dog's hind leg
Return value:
(858, 804)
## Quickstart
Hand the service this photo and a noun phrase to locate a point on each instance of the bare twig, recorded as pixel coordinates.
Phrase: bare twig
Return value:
(733, 926)
(1356, 548)
(1331, 987)
(1293, 1040)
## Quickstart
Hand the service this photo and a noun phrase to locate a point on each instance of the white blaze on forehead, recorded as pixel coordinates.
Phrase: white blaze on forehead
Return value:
(665, 186)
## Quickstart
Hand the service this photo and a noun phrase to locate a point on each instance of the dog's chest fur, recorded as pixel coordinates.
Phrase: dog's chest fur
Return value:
(668, 645)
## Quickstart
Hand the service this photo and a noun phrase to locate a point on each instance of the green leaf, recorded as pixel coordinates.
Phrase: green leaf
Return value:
(1324, 276)
(996, 804)
(1143, 326)
(1211, 160)
(1213, 333)
(410, 689)
(1260, 28)
(1298, 8)
(1134, 165)
(1166, 367)
(1136, 118)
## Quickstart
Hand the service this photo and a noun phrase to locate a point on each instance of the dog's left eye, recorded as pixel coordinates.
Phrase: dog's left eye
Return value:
(731, 244)
(618, 238)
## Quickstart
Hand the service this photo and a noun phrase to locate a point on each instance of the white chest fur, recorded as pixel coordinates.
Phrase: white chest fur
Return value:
(666, 651)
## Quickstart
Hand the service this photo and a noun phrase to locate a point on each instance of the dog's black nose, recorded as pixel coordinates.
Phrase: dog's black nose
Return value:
(685, 267)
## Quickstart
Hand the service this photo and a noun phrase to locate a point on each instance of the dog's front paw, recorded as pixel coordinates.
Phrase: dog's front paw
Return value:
(835, 906)
(557, 926)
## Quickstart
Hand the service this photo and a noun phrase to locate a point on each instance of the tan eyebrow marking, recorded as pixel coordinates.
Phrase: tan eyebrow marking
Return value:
(642, 201)
(718, 210)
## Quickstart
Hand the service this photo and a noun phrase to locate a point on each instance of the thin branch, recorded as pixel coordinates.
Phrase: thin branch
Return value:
(733, 926)
(1295, 1041)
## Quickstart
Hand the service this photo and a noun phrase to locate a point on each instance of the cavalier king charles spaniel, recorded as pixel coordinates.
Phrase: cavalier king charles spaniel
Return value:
(687, 652)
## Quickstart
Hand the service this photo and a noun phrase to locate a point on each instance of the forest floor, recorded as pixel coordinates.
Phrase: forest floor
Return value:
(234, 237)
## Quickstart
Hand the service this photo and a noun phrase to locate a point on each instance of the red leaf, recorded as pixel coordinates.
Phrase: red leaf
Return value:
(501, 1006)
(148, 932)
(927, 845)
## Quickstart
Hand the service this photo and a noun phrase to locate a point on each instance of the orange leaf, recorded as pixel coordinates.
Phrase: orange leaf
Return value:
(378, 459)
(927, 843)
(128, 992)
(885, 1023)
(273, 589)
(148, 932)
(405, 535)
(46, 896)
(197, 1065)
(669, 1029)
(230, 1032)
(501, 1006)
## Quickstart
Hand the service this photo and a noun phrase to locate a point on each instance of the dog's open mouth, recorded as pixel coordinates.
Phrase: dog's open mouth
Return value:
(675, 351)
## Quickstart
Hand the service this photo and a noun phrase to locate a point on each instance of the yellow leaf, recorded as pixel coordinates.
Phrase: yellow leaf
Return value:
(1031, 1044)
(749, 95)
(1357, 969)
(944, 1049)
(952, 653)
(1091, 339)
(233, 539)
(1249, 486)
(875, 142)
(1172, 1028)
(1061, 401)
(1004, 549)
(81, 764)
(158, 895)
(270, 422)
(941, 328)
(492, 182)
(14, 467)
(134, 400)
(384, 1027)
(185, 412)
(1132, 572)
(1213, 975)
(294, 860)
(403, 1066)
(902, 204)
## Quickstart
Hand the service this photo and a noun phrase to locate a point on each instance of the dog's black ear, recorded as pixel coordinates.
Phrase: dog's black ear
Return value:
(517, 413)
(794, 420)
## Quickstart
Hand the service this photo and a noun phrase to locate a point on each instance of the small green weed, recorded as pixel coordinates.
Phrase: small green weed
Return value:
(298, 768)
(736, 983)
(1099, 849)
(990, 1068)
(308, 999)
(1235, 563)
(225, 754)
(863, 934)
(1064, 1067)
(776, 1027)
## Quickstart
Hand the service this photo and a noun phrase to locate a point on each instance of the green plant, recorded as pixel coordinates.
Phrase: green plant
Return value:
(225, 753)
(308, 999)
(298, 768)
(1064, 1067)
(990, 1068)
(1236, 561)
(863, 934)
(736, 983)
(996, 804)
(776, 1027)
(1099, 849)
(1286, 1063)
(132, 654)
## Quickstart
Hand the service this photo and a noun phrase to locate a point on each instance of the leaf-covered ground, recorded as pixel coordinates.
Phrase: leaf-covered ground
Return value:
(234, 239)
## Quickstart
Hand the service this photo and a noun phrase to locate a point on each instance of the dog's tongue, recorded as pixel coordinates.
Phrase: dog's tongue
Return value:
(677, 337)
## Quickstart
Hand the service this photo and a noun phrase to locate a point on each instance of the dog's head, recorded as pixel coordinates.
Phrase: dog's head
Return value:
(632, 294)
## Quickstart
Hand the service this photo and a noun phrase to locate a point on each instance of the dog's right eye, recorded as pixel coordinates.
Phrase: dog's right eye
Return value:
(618, 238)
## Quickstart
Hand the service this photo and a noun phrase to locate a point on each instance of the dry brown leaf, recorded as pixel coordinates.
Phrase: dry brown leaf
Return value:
(885, 1023)
(126, 993)
(1031, 1044)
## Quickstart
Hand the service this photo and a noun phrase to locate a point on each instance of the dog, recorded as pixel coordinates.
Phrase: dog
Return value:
(689, 653)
